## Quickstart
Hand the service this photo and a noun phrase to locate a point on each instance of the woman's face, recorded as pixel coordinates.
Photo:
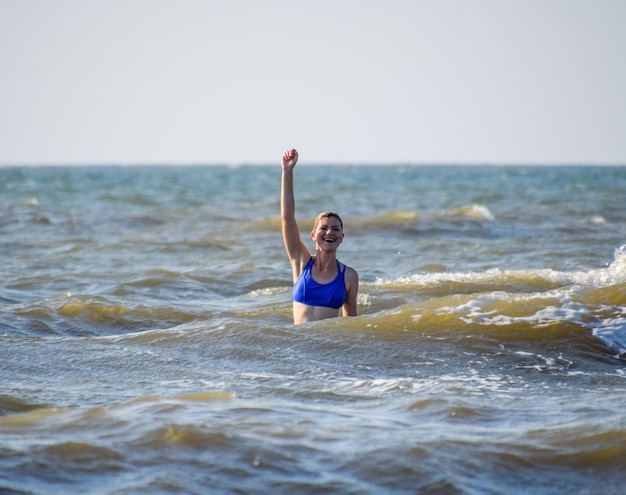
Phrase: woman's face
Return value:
(328, 233)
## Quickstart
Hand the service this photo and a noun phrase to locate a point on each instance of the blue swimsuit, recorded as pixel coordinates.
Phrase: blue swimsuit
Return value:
(308, 291)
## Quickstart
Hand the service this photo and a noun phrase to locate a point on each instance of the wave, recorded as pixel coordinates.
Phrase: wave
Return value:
(12, 405)
(83, 315)
(15, 413)
(518, 280)
(133, 445)
(472, 214)
(587, 307)
(476, 212)
(402, 219)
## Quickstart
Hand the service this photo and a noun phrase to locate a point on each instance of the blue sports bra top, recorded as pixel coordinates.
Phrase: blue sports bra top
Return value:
(308, 291)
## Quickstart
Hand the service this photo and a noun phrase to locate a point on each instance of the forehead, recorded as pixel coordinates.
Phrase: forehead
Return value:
(329, 221)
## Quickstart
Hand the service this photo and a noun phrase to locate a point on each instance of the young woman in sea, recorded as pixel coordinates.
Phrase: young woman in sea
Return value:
(322, 284)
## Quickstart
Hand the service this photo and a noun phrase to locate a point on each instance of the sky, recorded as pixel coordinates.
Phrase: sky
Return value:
(343, 81)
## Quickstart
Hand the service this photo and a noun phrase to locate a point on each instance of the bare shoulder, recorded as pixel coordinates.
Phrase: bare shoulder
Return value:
(352, 276)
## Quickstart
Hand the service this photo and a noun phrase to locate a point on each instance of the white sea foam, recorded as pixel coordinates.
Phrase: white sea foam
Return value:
(614, 273)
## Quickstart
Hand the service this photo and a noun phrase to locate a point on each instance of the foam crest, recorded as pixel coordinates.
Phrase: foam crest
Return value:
(614, 273)
(475, 212)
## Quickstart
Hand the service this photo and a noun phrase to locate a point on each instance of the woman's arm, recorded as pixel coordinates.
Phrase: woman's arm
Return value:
(352, 289)
(296, 250)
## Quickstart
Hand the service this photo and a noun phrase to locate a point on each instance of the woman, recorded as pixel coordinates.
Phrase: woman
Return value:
(322, 285)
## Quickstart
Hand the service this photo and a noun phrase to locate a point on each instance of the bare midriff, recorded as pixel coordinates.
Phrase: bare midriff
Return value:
(303, 313)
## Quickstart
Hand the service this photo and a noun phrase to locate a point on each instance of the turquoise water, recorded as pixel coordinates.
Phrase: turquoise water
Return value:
(147, 344)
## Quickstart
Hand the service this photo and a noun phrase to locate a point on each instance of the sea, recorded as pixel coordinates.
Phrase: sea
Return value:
(147, 344)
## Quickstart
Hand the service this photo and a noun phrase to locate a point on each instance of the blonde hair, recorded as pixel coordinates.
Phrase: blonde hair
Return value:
(327, 214)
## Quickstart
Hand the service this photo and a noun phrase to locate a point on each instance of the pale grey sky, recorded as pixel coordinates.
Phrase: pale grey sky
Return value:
(344, 81)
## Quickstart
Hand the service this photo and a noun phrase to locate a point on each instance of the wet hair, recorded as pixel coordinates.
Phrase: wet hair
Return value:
(327, 214)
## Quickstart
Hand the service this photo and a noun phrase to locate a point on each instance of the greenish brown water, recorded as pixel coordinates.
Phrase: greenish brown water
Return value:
(147, 344)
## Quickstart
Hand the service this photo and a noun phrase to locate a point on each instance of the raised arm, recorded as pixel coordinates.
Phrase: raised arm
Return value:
(296, 250)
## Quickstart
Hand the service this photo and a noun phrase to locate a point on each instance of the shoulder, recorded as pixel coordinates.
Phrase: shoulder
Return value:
(351, 275)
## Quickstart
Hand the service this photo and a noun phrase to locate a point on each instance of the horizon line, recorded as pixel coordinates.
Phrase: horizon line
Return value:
(314, 164)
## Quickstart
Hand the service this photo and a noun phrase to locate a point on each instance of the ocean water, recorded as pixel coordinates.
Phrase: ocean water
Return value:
(147, 345)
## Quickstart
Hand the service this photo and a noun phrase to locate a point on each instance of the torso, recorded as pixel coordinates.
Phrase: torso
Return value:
(310, 292)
